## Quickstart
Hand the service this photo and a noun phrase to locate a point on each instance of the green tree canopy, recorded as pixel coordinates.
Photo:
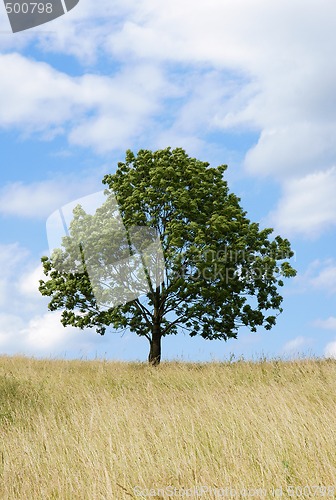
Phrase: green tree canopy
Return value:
(220, 270)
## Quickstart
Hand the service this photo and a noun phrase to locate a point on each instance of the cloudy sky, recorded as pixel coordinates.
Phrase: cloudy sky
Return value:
(249, 83)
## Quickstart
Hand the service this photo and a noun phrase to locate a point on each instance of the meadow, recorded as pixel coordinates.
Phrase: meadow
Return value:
(114, 430)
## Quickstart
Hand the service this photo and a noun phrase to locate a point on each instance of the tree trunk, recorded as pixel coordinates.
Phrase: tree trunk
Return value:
(154, 357)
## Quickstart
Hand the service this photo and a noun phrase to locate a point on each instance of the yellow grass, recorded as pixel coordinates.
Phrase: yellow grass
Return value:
(110, 430)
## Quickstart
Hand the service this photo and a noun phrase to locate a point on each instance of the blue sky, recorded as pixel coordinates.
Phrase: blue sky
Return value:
(248, 83)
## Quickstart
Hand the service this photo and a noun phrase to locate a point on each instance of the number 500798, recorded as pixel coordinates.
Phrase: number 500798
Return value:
(29, 8)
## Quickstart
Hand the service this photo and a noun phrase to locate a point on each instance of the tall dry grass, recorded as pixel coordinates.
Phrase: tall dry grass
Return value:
(110, 430)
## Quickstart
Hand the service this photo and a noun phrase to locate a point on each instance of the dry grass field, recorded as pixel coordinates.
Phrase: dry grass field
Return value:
(110, 430)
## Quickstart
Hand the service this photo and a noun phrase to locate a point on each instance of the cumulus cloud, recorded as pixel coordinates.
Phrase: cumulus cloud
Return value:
(39, 199)
(19, 299)
(327, 324)
(45, 334)
(41, 335)
(29, 282)
(23, 327)
(330, 350)
(79, 33)
(320, 276)
(83, 31)
(16, 265)
(175, 73)
(285, 93)
(26, 325)
(10, 326)
(284, 54)
(96, 111)
(295, 345)
(44, 89)
(293, 149)
(12, 259)
(251, 65)
(11, 255)
(326, 278)
(307, 205)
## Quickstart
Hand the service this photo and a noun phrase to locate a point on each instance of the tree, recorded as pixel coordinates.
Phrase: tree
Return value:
(221, 271)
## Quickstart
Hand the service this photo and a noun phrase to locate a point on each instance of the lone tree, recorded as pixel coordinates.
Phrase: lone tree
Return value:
(220, 270)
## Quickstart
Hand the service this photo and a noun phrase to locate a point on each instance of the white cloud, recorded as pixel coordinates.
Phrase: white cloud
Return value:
(308, 205)
(11, 255)
(44, 89)
(330, 350)
(40, 199)
(327, 324)
(41, 335)
(283, 54)
(283, 51)
(23, 327)
(320, 275)
(16, 266)
(293, 148)
(326, 279)
(97, 111)
(293, 346)
(215, 32)
(83, 31)
(14, 261)
(26, 325)
(45, 333)
(29, 282)
(79, 33)
(37, 199)
(287, 93)
(10, 325)
(280, 54)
